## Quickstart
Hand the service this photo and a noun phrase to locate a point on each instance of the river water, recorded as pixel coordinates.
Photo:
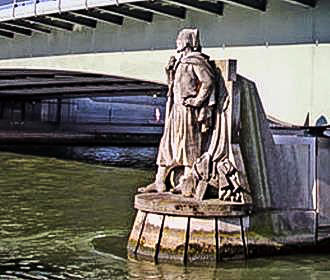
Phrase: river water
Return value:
(62, 219)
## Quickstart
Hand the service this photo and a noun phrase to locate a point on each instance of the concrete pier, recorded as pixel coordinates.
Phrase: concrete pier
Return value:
(285, 209)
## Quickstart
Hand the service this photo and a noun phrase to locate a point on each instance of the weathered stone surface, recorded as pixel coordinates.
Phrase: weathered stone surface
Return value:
(296, 159)
(323, 180)
(135, 236)
(202, 241)
(233, 112)
(286, 232)
(231, 238)
(150, 237)
(257, 145)
(187, 240)
(173, 242)
(210, 239)
(166, 203)
(281, 174)
(238, 159)
(274, 231)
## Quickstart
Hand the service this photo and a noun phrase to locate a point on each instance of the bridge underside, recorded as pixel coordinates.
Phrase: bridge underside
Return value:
(41, 84)
(29, 16)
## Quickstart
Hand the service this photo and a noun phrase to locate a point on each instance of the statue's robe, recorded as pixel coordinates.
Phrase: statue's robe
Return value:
(190, 111)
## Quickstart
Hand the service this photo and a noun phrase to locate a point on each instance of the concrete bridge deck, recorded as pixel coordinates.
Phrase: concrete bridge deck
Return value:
(27, 16)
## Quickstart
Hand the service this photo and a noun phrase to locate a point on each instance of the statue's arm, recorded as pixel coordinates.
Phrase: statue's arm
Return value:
(169, 70)
(206, 86)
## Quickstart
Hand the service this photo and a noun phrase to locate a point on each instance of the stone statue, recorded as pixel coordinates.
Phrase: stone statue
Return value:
(193, 152)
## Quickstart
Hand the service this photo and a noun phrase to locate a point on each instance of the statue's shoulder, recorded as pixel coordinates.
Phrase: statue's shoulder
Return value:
(195, 58)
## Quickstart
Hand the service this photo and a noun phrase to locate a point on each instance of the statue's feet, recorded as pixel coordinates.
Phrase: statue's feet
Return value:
(185, 187)
(154, 187)
(177, 190)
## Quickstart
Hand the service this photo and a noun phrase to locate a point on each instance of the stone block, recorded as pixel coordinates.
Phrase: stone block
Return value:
(256, 144)
(323, 180)
(231, 239)
(202, 240)
(274, 232)
(150, 237)
(296, 163)
(134, 238)
(172, 244)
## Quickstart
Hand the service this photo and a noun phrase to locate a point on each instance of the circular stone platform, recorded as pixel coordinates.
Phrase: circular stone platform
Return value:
(171, 228)
(171, 204)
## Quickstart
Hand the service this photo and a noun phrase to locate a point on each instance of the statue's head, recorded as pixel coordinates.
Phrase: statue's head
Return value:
(188, 39)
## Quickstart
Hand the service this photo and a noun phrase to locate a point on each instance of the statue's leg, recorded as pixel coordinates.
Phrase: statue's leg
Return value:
(186, 183)
(160, 178)
(187, 171)
(159, 184)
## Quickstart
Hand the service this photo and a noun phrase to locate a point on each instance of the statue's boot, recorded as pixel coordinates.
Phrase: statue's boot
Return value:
(185, 187)
(154, 187)
(158, 185)
(177, 189)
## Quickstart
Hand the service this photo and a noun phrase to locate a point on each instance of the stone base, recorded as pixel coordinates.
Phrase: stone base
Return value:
(169, 228)
(172, 229)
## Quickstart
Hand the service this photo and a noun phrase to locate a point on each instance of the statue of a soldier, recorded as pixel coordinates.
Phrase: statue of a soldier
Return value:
(189, 109)
(193, 152)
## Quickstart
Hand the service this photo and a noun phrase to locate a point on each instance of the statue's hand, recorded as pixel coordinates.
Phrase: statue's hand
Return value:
(171, 63)
(192, 102)
(169, 70)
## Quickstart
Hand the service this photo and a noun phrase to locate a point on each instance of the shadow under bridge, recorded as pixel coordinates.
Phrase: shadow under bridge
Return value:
(65, 107)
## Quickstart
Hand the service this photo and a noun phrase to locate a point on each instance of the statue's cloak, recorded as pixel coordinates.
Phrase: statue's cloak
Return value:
(190, 129)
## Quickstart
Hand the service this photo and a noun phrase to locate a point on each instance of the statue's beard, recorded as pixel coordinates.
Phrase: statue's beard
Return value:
(181, 50)
(196, 49)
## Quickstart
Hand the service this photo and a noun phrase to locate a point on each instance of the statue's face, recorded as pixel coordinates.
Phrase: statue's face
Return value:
(187, 38)
(179, 45)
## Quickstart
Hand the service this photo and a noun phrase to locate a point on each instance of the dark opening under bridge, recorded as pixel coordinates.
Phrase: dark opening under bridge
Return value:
(63, 107)
(39, 84)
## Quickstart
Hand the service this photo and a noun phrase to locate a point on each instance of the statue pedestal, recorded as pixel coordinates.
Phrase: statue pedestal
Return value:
(170, 228)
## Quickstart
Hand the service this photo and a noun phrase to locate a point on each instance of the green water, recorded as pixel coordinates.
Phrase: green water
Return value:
(70, 220)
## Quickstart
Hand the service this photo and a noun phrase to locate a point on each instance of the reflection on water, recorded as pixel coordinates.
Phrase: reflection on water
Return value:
(70, 220)
(137, 157)
(292, 267)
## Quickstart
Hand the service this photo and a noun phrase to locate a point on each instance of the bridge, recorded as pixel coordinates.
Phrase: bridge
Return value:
(283, 45)
(77, 108)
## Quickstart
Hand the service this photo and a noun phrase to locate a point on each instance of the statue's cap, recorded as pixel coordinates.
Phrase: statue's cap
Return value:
(188, 37)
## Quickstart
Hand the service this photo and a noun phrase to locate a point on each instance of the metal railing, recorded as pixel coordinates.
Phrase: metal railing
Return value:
(11, 9)
(13, 4)
(21, 2)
